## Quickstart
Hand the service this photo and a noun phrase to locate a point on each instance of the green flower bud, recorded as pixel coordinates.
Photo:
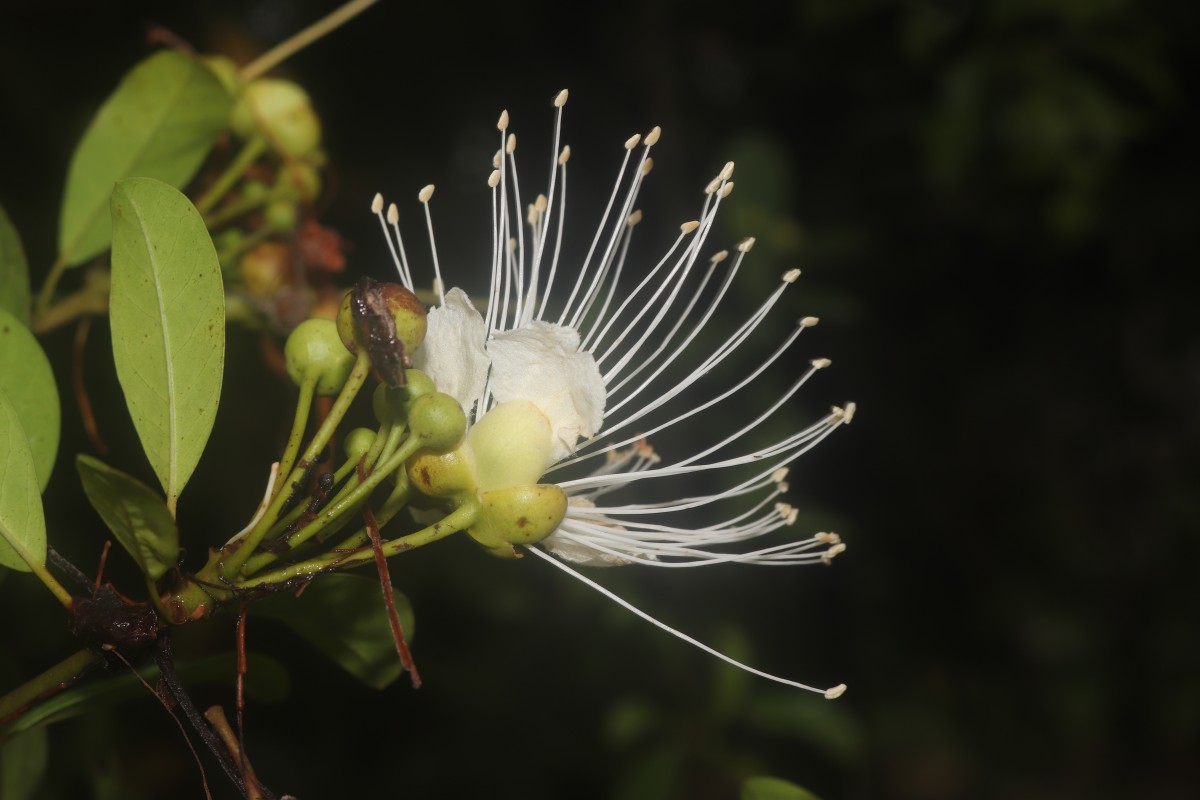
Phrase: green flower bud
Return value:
(446, 475)
(282, 112)
(314, 349)
(438, 420)
(265, 268)
(518, 515)
(299, 180)
(406, 310)
(281, 214)
(393, 402)
(358, 442)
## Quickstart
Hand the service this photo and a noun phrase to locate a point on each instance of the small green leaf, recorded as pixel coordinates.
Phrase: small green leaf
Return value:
(23, 761)
(266, 681)
(22, 524)
(134, 513)
(766, 788)
(344, 617)
(14, 272)
(167, 311)
(27, 379)
(159, 123)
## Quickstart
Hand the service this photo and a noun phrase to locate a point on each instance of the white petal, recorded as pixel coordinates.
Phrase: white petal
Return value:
(541, 363)
(453, 353)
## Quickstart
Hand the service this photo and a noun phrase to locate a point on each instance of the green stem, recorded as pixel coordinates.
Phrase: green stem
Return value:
(299, 424)
(57, 677)
(235, 210)
(343, 504)
(280, 52)
(459, 519)
(245, 547)
(250, 151)
(39, 569)
(47, 292)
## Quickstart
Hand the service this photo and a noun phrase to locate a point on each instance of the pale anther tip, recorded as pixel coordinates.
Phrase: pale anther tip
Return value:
(727, 190)
(849, 412)
(835, 692)
(719, 256)
(541, 202)
(377, 203)
(727, 171)
(565, 155)
(688, 227)
(653, 135)
(425, 194)
(808, 322)
(560, 99)
(511, 145)
(632, 141)
(393, 214)
(779, 474)
(712, 186)
(746, 245)
(496, 159)
(791, 275)
(647, 165)
(502, 123)
(820, 363)
(494, 179)
(634, 218)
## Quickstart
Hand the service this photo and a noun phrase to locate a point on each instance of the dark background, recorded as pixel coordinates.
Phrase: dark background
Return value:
(992, 203)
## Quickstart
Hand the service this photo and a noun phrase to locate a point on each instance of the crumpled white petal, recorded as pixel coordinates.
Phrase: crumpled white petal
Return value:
(453, 351)
(542, 363)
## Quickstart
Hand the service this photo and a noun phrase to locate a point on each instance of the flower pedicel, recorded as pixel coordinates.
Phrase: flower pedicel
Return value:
(552, 391)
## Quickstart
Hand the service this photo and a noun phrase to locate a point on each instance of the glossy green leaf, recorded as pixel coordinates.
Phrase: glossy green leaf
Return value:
(766, 788)
(160, 123)
(344, 617)
(14, 272)
(266, 681)
(26, 377)
(135, 514)
(22, 524)
(23, 761)
(167, 311)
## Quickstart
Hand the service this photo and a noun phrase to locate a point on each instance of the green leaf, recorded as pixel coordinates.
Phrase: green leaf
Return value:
(14, 272)
(766, 788)
(27, 379)
(22, 524)
(167, 311)
(23, 761)
(159, 123)
(344, 617)
(266, 681)
(134, 513)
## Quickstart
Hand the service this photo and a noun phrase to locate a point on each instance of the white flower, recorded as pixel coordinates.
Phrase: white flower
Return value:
(585, 360)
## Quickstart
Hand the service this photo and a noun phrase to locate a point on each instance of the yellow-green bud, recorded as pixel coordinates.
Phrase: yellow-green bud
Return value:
(358, 442)
(299, 180)
(313, 349)
(438, 420)
(510, 445)
(282, 112)
(281, 215)
(406, 310)
(446, 475)
(391, 402)
(518, 515)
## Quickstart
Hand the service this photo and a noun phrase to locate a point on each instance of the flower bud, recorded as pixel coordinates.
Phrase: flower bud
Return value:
(358, 442)
(299, 180)
(510, 445)
(313, 349)
(390, 402)
(282, 112)
(445, 475)
(438, 420)
(265, 268)
(281, 215)
(406, 311)
(518, 515)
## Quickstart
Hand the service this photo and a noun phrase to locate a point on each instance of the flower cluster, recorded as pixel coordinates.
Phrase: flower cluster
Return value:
(571, 367)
